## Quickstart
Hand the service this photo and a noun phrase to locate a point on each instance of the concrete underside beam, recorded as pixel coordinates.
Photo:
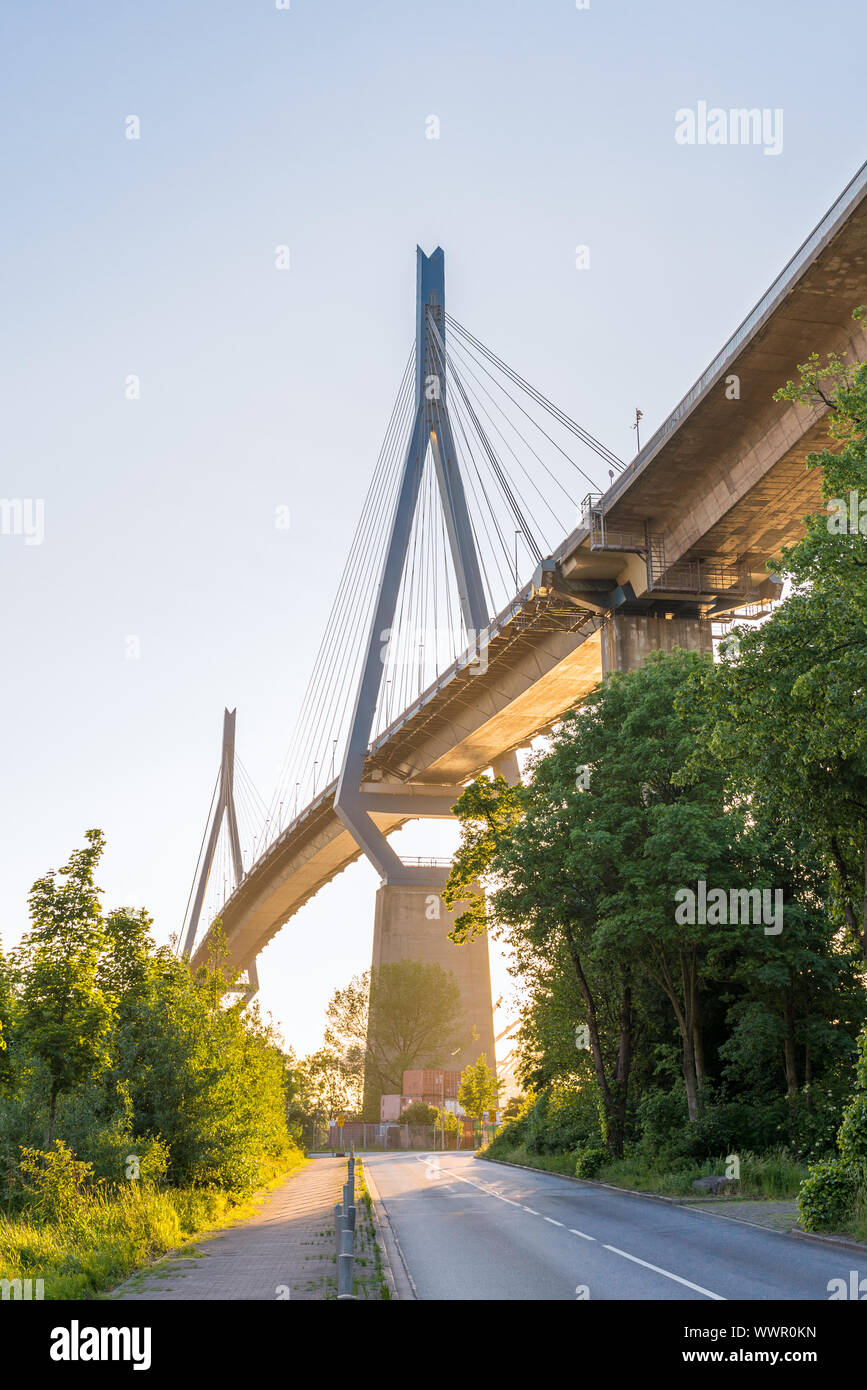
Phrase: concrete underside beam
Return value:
(628, 639)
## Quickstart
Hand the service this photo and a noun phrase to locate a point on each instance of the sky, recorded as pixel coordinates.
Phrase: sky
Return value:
(161, 589)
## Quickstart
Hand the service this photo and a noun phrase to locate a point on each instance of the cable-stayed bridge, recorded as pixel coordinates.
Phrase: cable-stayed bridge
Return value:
(504, 561)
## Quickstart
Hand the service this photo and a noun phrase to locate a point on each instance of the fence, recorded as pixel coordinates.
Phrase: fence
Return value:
(388, 1137)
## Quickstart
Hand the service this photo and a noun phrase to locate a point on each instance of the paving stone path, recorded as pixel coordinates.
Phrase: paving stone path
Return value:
(287, 1250)
(776, 1216)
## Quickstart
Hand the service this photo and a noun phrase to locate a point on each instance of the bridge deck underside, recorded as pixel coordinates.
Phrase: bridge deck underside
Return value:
(546, 658)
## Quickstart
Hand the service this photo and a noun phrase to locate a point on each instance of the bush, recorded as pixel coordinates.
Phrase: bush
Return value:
(662, 1121)
(828, 1195)
(561, 1120)
(54, 1181)
(733, 1127)
(419, 1114)
(589, 1161)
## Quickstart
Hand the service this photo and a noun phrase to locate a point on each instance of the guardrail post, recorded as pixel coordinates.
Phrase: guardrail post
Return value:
(338, 1229)
(345, 1263)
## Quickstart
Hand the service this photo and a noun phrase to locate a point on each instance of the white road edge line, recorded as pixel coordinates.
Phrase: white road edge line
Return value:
(667, 1274)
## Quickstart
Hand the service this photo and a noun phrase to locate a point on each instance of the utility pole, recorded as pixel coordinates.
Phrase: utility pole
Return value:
(639, 415)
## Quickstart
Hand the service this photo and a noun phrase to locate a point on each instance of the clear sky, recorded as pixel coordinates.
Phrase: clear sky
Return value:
(155, 258)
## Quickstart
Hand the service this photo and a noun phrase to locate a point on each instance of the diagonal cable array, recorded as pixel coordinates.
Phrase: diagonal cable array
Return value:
(523, 463)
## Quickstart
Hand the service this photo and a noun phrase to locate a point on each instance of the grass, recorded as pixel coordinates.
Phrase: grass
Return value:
(363, 1195)
(774, 1175)
(110, 1235)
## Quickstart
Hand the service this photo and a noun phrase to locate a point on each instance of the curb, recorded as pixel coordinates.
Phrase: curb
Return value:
(389, 1242)
(686, 1203)
(840, 1241)
(586, 1182)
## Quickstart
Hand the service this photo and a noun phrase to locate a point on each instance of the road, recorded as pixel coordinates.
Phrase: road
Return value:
(469, 1229)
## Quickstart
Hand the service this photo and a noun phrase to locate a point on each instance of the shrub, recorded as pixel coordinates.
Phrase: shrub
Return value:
(828, 1195)
(588, 1162)
(662, 1121)
(54, 1181)
(419, 1114)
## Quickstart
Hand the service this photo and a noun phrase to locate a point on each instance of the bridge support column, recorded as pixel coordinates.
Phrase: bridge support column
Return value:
(629, 638)
(412, 923)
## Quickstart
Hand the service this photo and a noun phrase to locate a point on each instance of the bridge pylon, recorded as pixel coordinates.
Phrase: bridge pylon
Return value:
(431, 430)
(225, 806)
(411, 920)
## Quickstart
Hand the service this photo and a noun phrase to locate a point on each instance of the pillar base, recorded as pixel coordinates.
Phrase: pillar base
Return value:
(412, 923)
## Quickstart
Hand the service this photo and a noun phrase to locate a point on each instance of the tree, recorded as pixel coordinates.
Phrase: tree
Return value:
(584, 870)
(479, 1089)
(787, 713)
(346, 1034)
(5, 1024)
(415, 1020)
(65, 1013)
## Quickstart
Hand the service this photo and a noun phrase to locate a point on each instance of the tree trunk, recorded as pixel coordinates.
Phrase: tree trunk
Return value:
(808, 1077)
(864, 908)
(689, 1076)
(789, 1053)
(613, 1100)
(621, 1072)
(52, 1107)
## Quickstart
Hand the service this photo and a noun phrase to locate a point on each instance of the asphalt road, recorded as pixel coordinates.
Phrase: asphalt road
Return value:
(469, 1229)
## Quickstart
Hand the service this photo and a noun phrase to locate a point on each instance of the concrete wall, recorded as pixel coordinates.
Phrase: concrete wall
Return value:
(405, 928)
(628, 639)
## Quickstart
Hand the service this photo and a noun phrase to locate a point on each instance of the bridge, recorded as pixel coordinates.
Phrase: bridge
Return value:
(493, 581)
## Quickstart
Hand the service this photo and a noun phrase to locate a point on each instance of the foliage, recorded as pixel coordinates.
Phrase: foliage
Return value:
(63, 1009)
(415, 1020)
(827, 1196)
(589, 1162)
(479, 1089)
(119, 1062)
(419, 1114)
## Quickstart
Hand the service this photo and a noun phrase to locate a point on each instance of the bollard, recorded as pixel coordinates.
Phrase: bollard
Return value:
(344, 1278)
(338, 1228)
(349, 1224)
(345, 1265)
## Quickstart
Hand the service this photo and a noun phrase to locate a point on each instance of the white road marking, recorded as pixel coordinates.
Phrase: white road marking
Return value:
(667, 1273)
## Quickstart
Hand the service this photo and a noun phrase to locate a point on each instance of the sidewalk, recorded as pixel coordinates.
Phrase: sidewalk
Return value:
(285, 1251)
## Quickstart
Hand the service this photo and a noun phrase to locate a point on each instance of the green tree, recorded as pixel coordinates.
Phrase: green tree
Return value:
(64, 1011)
(415, 1020)
(786, 710)
(479, 1089)
(346, 1034)
(5, 1024)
